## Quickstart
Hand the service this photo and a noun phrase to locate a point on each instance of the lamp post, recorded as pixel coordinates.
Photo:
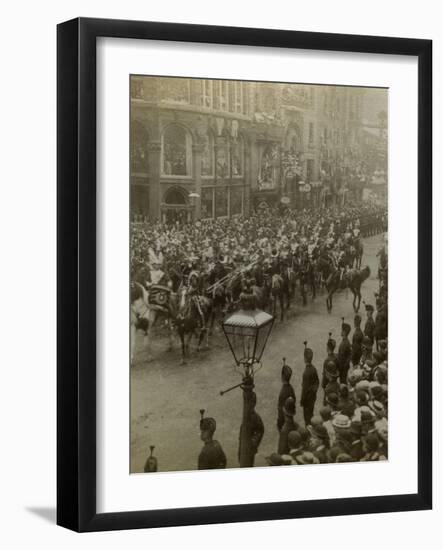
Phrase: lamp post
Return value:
(247, 332)
(194, 197)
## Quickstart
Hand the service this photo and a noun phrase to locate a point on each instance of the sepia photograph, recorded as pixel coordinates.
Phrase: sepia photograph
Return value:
(258, 274)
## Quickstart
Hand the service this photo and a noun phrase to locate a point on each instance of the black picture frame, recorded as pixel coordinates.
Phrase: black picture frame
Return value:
(76, 279)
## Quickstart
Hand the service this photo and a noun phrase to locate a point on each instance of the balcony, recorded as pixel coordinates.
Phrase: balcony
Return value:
(296, 96)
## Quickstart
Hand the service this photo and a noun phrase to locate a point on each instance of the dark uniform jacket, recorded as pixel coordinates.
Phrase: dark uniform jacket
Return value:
(370, 329)
(344, 354)
(212, 456)
(286, 391)
(357, 340)
(257, 431)
(381, 324)
(309, 387)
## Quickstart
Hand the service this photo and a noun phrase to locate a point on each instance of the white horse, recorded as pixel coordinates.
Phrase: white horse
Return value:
(143, 317)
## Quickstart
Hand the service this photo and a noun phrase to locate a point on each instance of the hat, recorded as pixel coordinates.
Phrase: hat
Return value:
(355, 376)
(286, 371)
(377, 392)
(366, 415)
(341, 421)
(362, 385)
(325, 413)
(331, 370)
(307, 458)
(308, 353)
(316, 421)
(319, 431)
(367, 342)
(346, 328)
(208, 424)
(331, 343)
(289, 406)
(377, 407)
(294, 439)
(304, 434)
(332, 399)
(275, 460)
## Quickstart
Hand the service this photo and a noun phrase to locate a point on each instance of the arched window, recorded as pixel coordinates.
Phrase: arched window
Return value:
(207, 159)
(237, 157)
(139, 147)
(175, 196)
(176, 149)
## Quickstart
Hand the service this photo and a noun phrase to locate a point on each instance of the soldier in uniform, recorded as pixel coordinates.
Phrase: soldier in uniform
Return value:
(330, 368)
(370, 323)
(344, 353)
(289, 426)
(211, 456)
(256, 430)
(310, 386)
(357, 340)
(286, 391)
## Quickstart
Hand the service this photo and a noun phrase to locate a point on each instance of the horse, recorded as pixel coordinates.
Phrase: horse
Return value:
(144, 316)
(353, 280)
(194, 313)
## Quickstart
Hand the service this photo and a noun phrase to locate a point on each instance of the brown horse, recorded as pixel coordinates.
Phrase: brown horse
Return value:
(353, 280)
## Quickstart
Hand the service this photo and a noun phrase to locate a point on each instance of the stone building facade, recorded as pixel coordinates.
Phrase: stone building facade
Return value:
(214, 148)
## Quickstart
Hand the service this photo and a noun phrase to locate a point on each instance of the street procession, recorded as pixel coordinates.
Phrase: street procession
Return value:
(258, 317)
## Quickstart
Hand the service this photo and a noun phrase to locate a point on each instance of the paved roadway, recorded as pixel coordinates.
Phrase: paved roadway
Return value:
(166, 397)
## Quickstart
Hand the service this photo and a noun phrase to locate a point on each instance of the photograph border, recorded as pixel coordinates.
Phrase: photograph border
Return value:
(76, 273)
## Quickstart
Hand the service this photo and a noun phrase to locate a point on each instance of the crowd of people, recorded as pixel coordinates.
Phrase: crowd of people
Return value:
(182, 248)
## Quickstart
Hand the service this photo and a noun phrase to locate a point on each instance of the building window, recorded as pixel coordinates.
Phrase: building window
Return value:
(176, 150)
(269, 167)
(206, 95)
(221, 202)
(207, 159)
(175, 90)
(311, 133)
(207, 202)
(237, 157)
(139, 148)
(236, 201)
(222, 164)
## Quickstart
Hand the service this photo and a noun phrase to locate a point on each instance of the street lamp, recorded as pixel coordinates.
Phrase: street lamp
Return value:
(194, 196)
(247, 331)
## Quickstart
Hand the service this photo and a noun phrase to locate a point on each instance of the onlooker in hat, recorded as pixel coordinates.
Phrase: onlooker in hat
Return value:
(367, 419)
(344, 353)
(212, 455)
(371, 446)
(370, 323)
(366, 353)
(332, 400)
(357, 452)
(295, 445)
(381, 322)
(255, 433)
(319, 444)
(310, 385)
(288, 426)
(326, 415)
(286, 391)
(345, 403)
(357, 341)
(305, 436)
